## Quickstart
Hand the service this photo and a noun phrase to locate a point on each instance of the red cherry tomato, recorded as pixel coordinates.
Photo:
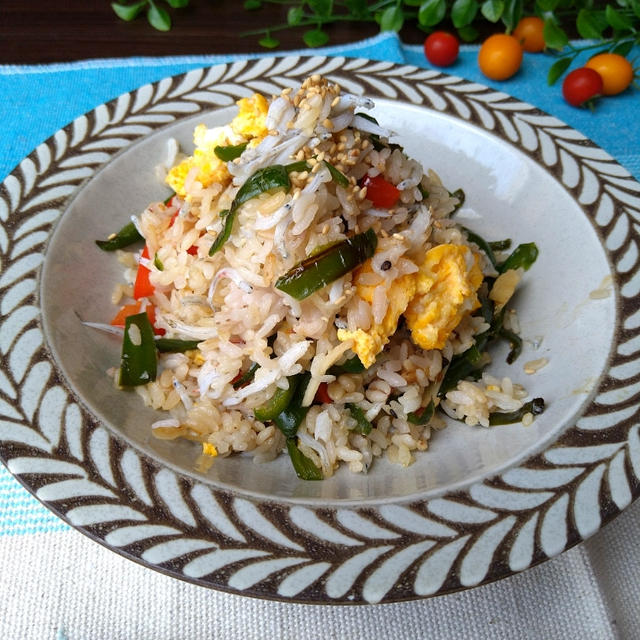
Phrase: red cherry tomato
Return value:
(441, 48)
(381, 192)
(581, 85)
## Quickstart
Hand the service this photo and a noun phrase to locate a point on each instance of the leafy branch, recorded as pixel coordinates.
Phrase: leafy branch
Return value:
(613, 26)
(616, 25)
(157, 16)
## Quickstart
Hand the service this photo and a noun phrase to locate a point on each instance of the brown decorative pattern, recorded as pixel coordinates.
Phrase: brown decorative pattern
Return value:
(274, 549)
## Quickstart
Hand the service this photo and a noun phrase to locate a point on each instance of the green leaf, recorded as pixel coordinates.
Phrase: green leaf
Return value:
(269, 42)
(635, 4)
(554, 36)
(315, 38)
(463, 12)
(546, 5)
(178, 4)
(623, 48)
(392, 19)
(413, 3)
(159, 18)
(322, 8)
(588, 26)
(512, 13)
(294, 16)
(432, 12)
(492, 10)
(557, 69)
(252, 5)
(468, 33)
(358, 8)
(617, 20)
(128, 12)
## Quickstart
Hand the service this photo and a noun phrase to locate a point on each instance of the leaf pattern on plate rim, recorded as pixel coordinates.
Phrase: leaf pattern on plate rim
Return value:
(174, 523)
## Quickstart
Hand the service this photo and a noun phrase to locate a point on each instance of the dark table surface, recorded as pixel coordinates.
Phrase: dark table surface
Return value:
(41, 31)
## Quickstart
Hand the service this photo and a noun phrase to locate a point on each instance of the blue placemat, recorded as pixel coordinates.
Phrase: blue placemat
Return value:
(37, 100)
(40, 99)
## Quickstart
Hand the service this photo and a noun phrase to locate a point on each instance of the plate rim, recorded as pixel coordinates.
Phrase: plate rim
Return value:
(410, 551)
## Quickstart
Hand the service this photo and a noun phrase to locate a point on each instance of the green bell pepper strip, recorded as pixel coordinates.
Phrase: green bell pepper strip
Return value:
(246, 377)
(157, 263)
(278, 402)
(460, 194)
(363, 426)
(174, 345)
(125, 237)
(292, 416)
(223, 236)
(139, 358)
(304, 467)
(523, 256)
(422, 415)
(465, 365)
(535, 406)
(515, 343)
(263, 180)
(352, 365)
(298, 167)
(229, 152)
(500, 245)
(337, 176)
(319, 270)
(482, 243)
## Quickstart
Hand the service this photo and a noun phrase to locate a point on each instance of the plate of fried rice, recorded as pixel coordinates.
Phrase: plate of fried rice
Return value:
(330, 330)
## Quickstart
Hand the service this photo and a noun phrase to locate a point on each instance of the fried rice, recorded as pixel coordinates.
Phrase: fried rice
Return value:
(367, 351)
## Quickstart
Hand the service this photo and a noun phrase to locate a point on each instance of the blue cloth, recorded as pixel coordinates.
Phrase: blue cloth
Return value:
(37, 100)
(40, 99)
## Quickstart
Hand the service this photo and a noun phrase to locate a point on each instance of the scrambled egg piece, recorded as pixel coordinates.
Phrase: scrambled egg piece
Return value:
(209, 450)
(446, 290)
(368, 344)
(248, 125)
(251, 119)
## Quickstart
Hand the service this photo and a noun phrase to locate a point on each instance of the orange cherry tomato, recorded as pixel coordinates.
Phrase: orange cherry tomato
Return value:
(529, 33)
(616, 72)
(500, 56)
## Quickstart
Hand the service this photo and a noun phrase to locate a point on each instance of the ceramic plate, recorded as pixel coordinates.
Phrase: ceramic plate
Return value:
(479, 505)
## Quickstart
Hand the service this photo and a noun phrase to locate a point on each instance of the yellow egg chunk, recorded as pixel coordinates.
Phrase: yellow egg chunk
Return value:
(368, 344)
(248, 125)
(446, 290)
(209, 450)
(251, 118)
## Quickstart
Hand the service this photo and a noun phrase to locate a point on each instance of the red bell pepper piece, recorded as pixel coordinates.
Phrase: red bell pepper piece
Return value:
(133, 309)
(143, 287)
(322, 394)
(381, 192)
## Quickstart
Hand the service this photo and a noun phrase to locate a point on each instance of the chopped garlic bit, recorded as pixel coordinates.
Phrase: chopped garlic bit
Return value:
(504, 287)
